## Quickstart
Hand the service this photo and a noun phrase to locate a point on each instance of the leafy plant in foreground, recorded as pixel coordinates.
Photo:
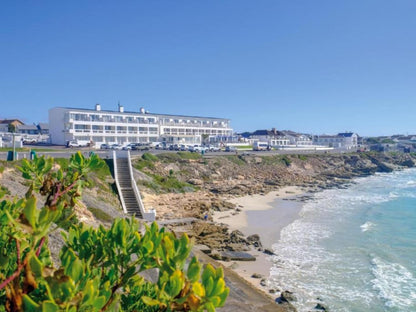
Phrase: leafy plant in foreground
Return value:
(99, 267)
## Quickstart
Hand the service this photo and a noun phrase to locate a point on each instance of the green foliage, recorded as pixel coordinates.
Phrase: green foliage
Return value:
(101, 215)
(168, 184)
(4, 190)
(149, 157)
(286, 160)
(99, 266)
(302, 157)
(146, 161)
(238, 160)
(372, 140)
(1, 169)
(189, 155)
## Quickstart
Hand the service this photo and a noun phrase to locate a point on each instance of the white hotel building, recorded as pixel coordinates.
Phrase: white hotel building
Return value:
(103, 126)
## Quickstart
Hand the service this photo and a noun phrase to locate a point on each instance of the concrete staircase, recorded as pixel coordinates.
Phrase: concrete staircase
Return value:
(131, 203)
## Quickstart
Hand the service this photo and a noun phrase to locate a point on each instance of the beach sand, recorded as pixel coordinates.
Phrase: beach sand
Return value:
(265, 215)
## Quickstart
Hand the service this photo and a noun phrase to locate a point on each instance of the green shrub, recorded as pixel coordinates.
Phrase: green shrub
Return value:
(4, 190)
(100, 267)
(302, 157)
(149, 157)
(238, 160)
(285, 159)
(101, 215)
(189, 155)
(170, 184)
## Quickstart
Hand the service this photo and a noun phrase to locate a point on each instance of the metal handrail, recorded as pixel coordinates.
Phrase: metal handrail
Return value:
(120, 193)
(134, 185)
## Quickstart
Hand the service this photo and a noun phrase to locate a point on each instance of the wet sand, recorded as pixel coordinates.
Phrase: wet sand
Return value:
(265, 215)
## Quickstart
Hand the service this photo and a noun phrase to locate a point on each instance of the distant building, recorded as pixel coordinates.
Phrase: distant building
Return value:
(298, 139)
(122, 127)
(27, 129)
(346, 140)
(9, 124)
(274, 137)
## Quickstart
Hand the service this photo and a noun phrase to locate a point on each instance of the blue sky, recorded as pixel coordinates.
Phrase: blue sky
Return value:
(308, 66)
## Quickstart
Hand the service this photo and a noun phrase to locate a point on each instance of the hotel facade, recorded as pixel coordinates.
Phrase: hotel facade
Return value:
(96, 126)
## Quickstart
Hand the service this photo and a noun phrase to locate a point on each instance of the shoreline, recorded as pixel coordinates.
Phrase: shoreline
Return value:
(265, 215)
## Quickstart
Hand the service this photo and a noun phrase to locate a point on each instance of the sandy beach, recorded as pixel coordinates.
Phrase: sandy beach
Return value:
(265, 215)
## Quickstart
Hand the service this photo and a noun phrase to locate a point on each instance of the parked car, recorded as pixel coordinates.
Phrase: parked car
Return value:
(105, 146)
(129, 146)
(29, 141)
(212, 148)
(231, 149)
(116, 146)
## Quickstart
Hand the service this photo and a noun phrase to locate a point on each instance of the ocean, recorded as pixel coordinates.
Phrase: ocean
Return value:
(353, 249)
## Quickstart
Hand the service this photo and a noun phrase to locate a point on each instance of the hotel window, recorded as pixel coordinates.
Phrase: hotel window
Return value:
(95, 117)
(107, 118)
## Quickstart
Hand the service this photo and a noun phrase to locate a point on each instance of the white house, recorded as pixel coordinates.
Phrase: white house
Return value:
(346, 140)
(298, 139)
(273, 137)
(99, 126)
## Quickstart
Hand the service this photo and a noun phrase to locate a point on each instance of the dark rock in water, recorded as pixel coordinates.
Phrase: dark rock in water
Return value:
(407, 163)
(287, 296)
(269, 252)
(257, 275)
(263, 282)
(237, 256)
(278, 300)
(321, 307)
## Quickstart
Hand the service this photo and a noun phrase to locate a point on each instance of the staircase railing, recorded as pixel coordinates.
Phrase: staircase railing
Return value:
(151, 214)
(120, 192)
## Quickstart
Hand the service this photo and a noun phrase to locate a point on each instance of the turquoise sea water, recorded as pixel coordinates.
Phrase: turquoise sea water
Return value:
(354, 248)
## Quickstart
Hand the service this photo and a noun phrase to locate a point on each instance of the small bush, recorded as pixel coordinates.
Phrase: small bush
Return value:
(238, 160)
(303, 157)
(4, 190)
(189, 155)
(149, 157)
(141, 163)
(101, 215)
(169, 184)
(286, 160)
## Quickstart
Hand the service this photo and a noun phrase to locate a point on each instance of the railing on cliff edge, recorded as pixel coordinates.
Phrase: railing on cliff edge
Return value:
(151, 214)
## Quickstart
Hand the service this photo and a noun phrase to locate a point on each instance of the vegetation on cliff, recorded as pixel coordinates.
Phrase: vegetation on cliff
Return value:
(100, 267)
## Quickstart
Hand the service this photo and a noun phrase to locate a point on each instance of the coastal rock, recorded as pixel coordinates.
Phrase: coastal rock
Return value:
(254, 240)
(408, 163)
(263, 282)
(287, 296)
(195, 181)
(257, 275)
(237, 256)
(269, 252)
(321, 307)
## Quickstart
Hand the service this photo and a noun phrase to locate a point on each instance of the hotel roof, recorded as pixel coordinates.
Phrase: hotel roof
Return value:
(137, 113)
